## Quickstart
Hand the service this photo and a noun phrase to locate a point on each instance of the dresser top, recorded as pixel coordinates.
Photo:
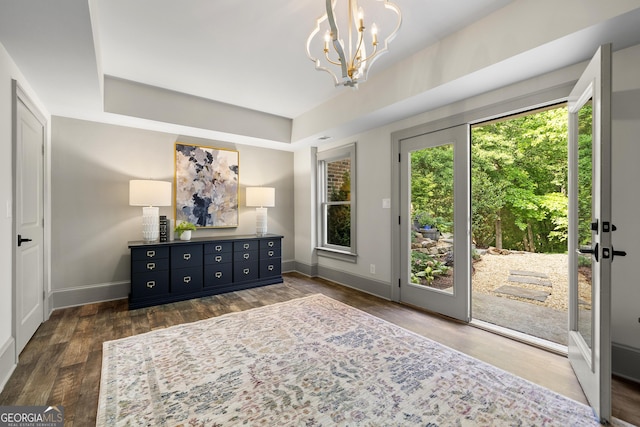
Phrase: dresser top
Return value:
(209, 239)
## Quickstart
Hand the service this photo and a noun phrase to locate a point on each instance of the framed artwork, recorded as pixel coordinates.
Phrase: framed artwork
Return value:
(206, 186)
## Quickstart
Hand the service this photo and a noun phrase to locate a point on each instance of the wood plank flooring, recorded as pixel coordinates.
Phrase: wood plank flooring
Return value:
(61, 365)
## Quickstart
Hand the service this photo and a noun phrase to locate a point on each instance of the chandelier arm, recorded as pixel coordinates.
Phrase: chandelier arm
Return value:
(373, 54)
(336, 44)
(326, 55)
(357, 52)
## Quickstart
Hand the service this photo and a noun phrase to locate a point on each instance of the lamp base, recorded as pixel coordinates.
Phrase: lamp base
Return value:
(261, 221)
(150, 224)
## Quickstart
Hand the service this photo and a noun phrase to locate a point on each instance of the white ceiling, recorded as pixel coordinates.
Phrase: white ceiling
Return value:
(249, 53)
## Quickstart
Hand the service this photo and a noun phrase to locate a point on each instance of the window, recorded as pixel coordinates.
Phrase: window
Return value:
(337, 203)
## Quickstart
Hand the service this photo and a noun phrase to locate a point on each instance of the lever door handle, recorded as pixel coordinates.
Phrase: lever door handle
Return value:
(593, 251)
(21, 240)
(619, 253)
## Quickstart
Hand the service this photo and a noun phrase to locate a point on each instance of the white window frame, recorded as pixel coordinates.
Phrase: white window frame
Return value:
(323, 248)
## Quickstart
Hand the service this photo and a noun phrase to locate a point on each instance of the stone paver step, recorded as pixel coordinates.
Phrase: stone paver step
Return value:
(523, 293)
(528, 273)
(530, 280)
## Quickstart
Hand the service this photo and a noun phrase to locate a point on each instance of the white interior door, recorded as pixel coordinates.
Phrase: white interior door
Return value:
(590, 229)
(434, 237)
(29, 213)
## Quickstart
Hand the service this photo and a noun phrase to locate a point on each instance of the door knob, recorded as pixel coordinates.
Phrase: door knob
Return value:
(21, 240)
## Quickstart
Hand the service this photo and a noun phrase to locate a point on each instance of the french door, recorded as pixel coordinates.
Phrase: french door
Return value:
(434, 211)
(590, 229)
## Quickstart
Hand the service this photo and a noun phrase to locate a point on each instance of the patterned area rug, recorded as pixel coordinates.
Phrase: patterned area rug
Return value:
(313, 361)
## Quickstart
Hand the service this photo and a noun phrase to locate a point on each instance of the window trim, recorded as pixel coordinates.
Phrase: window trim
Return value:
(343, 253)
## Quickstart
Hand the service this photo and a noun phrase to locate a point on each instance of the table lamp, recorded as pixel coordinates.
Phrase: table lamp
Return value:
(261, 198)
(150, 194)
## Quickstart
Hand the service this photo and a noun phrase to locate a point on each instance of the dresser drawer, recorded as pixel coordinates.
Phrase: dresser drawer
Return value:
(216, 248)
(149, 265)
(146, 285)
(147, 254)
(272, 267)
(218, 258)
(245, 256)
(270, 244)
(245, 245)
(270, 253)
(217, 275)
(186, 280)
(184, 256)
(245, 270)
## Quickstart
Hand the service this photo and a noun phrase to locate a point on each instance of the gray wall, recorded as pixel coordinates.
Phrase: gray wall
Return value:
(92, 221)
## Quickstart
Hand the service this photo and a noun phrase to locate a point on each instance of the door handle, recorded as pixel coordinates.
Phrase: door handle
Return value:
(593, 251)
(619, 253)
(21, 240)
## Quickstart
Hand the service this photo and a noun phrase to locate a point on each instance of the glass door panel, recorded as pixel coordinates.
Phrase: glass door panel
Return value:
(431, 234)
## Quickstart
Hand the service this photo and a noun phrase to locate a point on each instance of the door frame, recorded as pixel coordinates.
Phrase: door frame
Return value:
(20, 95)
(518, 98)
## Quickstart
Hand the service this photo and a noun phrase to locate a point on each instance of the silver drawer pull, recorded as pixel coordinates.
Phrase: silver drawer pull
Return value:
(270, 268)
(151, 265)
(218, 258)
(270, 253)
(218, 248)
(151, 284)
(218, 274)
(245, 271)
(270, 244)
(186, 279)
(246, 256)
(186, 257)
(151, 254)
(246, 246)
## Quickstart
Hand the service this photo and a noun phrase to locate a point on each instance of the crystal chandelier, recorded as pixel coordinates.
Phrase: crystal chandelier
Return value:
(347, 59)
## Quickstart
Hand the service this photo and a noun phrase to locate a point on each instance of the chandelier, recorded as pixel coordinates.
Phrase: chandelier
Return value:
(348, 59)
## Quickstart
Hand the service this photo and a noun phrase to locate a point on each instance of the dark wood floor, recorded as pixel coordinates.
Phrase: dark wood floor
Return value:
(61, 364)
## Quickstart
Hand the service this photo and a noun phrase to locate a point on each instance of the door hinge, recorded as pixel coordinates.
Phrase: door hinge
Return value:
(399, 283)
(399, 158)
(399, 217)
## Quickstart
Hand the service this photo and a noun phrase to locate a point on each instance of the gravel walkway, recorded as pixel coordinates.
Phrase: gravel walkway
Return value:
(493, 271)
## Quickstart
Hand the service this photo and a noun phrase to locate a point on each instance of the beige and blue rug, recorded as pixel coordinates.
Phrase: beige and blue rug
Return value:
(313, 362)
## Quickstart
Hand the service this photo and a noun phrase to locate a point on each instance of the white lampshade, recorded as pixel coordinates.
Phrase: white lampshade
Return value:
(144, 192)
(150, 194)
(264, 197)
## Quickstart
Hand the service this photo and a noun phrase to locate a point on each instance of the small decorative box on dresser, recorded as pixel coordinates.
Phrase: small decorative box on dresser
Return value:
(163, 272)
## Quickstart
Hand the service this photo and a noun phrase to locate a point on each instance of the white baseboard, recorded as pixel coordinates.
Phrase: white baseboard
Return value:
(7, 361)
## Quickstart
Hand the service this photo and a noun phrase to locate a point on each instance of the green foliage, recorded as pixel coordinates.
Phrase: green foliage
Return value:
(432, 186)
(519, 182)
(426, 268)
(519, 177)
(339, 216)
(184, 226)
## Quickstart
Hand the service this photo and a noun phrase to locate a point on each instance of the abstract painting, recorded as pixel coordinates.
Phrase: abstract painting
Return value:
(206, 186)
